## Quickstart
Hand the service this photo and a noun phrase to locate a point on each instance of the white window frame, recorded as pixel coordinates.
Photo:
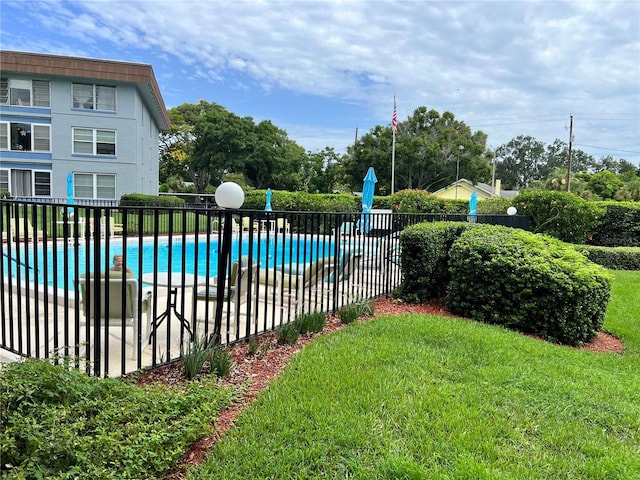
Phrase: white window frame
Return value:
(43, 101)
(95, 185)
(95, 136)
(5, 136)
(42, 127)
(94, 102)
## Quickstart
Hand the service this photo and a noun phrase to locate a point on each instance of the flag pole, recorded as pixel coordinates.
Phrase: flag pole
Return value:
(394, 129)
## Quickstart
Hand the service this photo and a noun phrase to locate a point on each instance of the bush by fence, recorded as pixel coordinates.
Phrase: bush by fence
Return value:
(531, 283)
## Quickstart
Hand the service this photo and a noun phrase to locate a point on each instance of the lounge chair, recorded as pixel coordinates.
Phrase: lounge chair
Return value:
(307, 275)
(18, 231)
(237, 291)
(117, 316)
(346, 229)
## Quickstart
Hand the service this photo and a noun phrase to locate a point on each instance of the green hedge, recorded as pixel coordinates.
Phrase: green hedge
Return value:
(561, 215)
(527, 282)
(618, 226)
(141, 200)
(421, 201)
(425, 257)
(302, 201)
(615, 258)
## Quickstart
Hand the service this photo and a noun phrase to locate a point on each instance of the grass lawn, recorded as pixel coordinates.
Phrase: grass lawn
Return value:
(433, 397)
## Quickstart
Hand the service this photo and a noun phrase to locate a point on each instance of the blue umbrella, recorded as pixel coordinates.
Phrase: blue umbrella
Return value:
(70, 189)
(368, 188)
(267, 207)
(473, 204)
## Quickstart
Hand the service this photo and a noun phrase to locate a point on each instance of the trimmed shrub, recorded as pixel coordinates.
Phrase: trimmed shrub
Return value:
(421, 201)
(425, 259)
(619, 226)
(559, 214)
(141, 200)
(527, 282)
(615, 258)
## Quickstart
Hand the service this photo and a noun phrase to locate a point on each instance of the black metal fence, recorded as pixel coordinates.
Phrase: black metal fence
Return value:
(226, 275)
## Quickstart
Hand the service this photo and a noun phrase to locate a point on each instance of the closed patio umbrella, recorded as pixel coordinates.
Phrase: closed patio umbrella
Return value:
(368, 188)
(473, 204)
(267, 207)
(70, 189)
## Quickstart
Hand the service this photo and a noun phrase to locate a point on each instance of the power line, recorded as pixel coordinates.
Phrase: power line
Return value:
(607, 148)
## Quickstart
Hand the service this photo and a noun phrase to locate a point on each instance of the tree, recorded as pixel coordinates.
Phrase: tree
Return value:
(428, 153)
(521, 161)
(558, 158)
(207, 143)
(321, 172)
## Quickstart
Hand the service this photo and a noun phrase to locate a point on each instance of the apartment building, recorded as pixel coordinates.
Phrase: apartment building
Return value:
(78, 127)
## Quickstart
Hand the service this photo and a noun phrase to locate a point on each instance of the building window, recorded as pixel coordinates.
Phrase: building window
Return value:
(4, 136)
(42, 183)
(24, 93)
(94, 185)
(25, 137)
(4, 180)
(41, 140)
(92, 141)
(93, 97)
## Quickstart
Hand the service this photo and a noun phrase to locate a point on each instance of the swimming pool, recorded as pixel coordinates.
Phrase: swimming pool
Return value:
(51, 264)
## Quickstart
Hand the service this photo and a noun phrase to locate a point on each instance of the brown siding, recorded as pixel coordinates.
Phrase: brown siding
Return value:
(75, 67)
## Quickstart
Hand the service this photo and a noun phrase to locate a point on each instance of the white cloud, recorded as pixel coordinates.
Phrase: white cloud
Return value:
(490, 63)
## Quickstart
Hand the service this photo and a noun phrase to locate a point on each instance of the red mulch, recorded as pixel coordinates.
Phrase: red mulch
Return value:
(271, 360)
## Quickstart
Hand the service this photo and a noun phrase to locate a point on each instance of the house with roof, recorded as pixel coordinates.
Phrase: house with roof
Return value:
(78, 127)
(463, 188)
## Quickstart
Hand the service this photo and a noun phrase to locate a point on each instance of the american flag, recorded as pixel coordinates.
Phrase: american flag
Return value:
(394, 118)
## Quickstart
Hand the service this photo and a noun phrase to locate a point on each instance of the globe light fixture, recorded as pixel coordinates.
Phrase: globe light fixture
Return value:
(229, 195)
(512, 211)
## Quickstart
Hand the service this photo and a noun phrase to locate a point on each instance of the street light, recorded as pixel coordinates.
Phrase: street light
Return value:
(229, 196)
(460, 149)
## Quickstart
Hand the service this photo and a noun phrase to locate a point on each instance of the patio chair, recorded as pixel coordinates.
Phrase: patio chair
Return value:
(117, 316)
(247, 226)
(22, 234)
(282, 225)
(237, 291)
(114, 228)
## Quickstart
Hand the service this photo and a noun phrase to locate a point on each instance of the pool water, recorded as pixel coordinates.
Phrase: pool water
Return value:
(69, 261)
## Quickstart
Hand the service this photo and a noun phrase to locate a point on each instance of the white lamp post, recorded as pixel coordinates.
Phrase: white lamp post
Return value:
(229, 196)
(460, 150)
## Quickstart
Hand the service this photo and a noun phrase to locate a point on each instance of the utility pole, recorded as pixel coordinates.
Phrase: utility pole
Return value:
(569, 160)
(493, 174)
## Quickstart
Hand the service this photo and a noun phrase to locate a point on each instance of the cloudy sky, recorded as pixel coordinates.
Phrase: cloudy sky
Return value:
(322, 69)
